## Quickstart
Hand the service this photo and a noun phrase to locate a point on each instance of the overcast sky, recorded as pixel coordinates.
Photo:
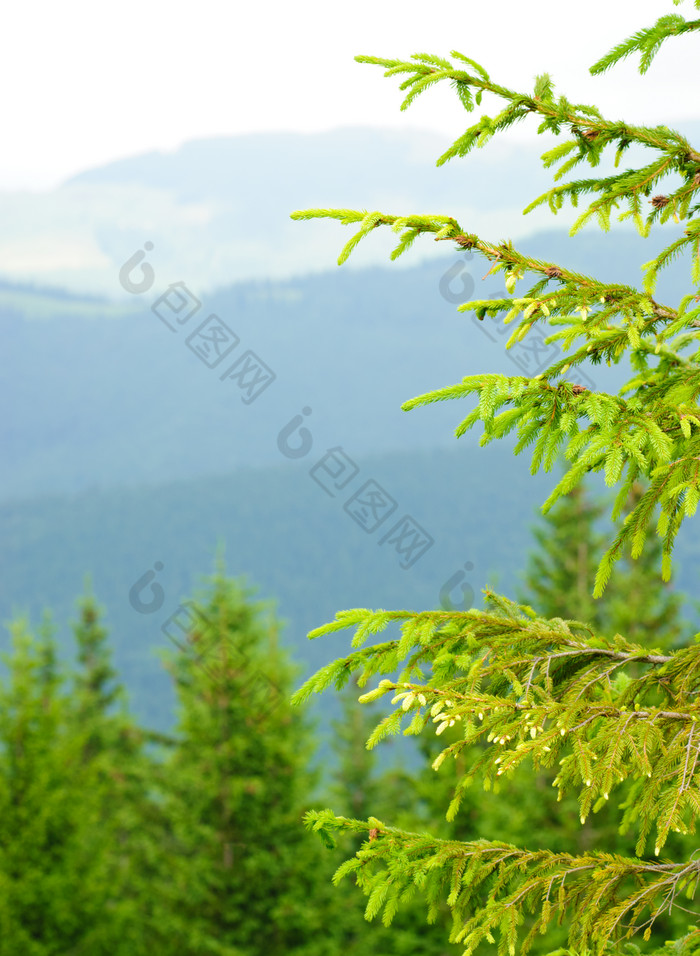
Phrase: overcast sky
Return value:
(86, 82)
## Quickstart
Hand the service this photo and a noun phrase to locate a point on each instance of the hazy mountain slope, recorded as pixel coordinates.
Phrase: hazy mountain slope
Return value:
(280, 527)
(217, 210)
(293, 540)
(95, 398)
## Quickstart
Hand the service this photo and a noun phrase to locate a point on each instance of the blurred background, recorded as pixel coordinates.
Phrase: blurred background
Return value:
(199, 132)
(187, 373)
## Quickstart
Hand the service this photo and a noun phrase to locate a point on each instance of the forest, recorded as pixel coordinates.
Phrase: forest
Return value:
(118, 838)
(197, 750)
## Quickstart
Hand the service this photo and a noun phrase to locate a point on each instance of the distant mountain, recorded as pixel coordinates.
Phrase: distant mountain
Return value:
(105, 397)
(217, 211)
(129, 438)
(285, 528)
(100, 396)
(296, 534)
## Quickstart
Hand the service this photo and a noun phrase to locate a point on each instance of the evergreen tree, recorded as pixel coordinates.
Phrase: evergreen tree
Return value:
(81, 829)
(131, 827)
(242, 869)
(96, 688)
(561, 572)
(593, 710)
(55, 892)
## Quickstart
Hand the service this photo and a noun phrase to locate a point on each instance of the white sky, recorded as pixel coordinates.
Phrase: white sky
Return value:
(86, 82)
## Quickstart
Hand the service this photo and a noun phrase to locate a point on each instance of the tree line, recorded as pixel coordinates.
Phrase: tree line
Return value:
(116, 839)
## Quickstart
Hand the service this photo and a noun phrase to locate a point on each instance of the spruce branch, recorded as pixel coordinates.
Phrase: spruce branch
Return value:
(592, 133)
(596, 712)
(585, 121)
(488, 884)
(639, 435)
(541, 689)
(575, 291)
(647, 42)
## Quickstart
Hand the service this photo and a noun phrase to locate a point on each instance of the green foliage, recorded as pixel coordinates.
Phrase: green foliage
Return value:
(651, 432)
(109, 846)
(603, 715)
(538, 690)
(527, 811)
(69, 791)
(242, 867)
(647, 42)
(358, 789)
(561, 572)
(130, 827)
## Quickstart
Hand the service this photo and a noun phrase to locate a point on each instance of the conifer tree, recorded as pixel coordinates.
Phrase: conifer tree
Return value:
(561, 571)
(242, 868)
(55, 876)
(82, 868)
(130, 828)
(96, 684)
(593, 710)
(359, 787)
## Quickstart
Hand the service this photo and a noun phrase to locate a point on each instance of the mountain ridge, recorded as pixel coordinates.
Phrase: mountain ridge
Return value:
(217, 210)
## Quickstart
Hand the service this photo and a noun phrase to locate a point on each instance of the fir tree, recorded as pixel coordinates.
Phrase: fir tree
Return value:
(55, 875)
(561, 572)
(96, 684)
(81, 834)
(131, 827)
(242, 869)
(593, 710)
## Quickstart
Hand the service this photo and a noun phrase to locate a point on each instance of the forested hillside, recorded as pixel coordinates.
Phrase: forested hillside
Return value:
(100, 399)
(124, 449)
(281, 528)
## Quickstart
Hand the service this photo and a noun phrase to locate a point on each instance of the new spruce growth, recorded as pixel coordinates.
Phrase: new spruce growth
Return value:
(594, 710)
